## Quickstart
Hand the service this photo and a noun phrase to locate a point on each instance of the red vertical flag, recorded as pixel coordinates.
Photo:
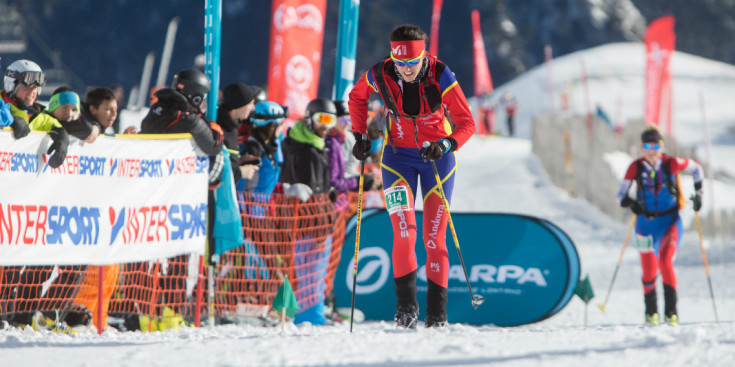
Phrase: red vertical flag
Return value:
(435, 16)
(659, 39)
(297, 34)
(483, 81)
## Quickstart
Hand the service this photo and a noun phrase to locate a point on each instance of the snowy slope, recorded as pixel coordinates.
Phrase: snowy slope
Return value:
(496, 174)
(500, 175)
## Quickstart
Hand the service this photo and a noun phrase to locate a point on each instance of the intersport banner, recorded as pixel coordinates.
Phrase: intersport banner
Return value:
(483, 81)
(297, 28)
(659, 39)
(113, 201)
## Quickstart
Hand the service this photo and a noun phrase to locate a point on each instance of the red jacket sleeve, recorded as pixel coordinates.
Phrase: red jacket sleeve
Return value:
(456, 102)
(358, 102)
(632, 171)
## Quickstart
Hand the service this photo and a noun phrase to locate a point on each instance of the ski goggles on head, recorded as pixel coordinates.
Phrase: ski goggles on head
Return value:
(323, 118)
(28, 78)
(411, 62)
(651, 146)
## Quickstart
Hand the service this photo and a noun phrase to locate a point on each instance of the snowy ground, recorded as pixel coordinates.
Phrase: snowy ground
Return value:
(495, 174)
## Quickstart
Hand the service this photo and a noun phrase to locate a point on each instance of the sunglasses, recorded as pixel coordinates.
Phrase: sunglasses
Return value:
(411, 62)
(28, 78)
(651, 146)
(345, 120)
(326, 119)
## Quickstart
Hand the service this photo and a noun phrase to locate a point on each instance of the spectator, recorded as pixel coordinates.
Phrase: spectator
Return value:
(119, 92)
(304, 155)
(344, 123)
(178, 110)
(510, 103)
(22, 84)
(100, 109)
(334, 143)
(236, 106)
(76, 126)
(262, 149)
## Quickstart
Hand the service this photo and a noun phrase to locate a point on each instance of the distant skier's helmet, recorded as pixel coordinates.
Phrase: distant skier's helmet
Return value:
(23, 72)
(193, 84)
(268, 112)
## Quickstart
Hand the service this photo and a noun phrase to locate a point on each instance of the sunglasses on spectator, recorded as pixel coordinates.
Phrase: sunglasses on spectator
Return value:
(326, 119)
(345, 120)
(411, 62)
(651, 146)
(28, 78)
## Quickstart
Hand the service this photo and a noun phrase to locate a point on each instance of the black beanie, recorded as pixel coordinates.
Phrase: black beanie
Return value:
(236, 95)
(651, 135)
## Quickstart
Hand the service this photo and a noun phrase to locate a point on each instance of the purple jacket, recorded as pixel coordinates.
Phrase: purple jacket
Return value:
(337, 178)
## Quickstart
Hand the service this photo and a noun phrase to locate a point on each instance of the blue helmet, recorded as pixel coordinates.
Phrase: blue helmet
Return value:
(268, 112)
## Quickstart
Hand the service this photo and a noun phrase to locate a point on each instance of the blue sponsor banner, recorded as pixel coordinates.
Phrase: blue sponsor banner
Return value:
(525, 267)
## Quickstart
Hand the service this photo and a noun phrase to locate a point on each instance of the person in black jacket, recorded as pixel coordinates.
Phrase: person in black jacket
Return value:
(178, 110)
(304, 157)
(237, 104)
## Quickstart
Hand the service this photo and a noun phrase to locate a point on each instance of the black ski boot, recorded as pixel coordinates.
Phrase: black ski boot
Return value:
(670, 305)
(408, 307)
(436, 305)
(651, 307)
(406, 317)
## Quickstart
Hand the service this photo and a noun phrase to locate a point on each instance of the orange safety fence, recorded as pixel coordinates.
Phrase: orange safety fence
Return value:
(283, 237)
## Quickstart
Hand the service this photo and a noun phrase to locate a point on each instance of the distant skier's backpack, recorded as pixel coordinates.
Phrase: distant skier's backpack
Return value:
(672, 180)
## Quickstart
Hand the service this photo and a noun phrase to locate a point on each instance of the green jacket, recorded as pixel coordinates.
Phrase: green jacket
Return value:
(44, 122)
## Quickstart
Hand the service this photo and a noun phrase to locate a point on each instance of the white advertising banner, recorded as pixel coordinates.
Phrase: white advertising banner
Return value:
(116, 200)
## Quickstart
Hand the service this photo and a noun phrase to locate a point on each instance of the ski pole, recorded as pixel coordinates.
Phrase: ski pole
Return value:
(620, 260)
(477, 299)
(706, 265)
(357, 239)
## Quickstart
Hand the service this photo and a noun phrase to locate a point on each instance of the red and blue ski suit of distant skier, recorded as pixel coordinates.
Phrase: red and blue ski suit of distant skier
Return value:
(421, 106)
(658, 227)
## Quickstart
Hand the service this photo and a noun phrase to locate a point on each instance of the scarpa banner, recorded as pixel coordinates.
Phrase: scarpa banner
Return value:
(113, 201)
(525, 267)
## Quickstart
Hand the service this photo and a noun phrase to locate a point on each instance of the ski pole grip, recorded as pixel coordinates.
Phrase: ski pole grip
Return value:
(426, 144)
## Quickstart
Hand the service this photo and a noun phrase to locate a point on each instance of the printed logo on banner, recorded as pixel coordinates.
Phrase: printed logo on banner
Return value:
(305, 16)
(372, 276)
(18, 162)
(81, 225)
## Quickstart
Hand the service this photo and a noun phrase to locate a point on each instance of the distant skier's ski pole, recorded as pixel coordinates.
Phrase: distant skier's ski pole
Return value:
(357, 240)
(477, 299)
(620, 260)
(706, 265)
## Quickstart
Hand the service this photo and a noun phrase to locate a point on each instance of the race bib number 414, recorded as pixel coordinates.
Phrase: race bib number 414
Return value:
(396, 199)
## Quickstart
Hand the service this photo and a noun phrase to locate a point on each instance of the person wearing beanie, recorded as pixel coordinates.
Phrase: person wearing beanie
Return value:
(237, 104)
(64, 110)
(659, 228)
(65, 100)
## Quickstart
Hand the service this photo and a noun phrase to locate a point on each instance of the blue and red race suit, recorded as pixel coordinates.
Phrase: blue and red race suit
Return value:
(438, 94)
(658, 227)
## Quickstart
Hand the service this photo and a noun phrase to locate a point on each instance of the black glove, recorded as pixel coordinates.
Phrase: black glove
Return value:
(634, 205)
(436, 149)
(361, 149)
(58, 147)
(20, 128)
